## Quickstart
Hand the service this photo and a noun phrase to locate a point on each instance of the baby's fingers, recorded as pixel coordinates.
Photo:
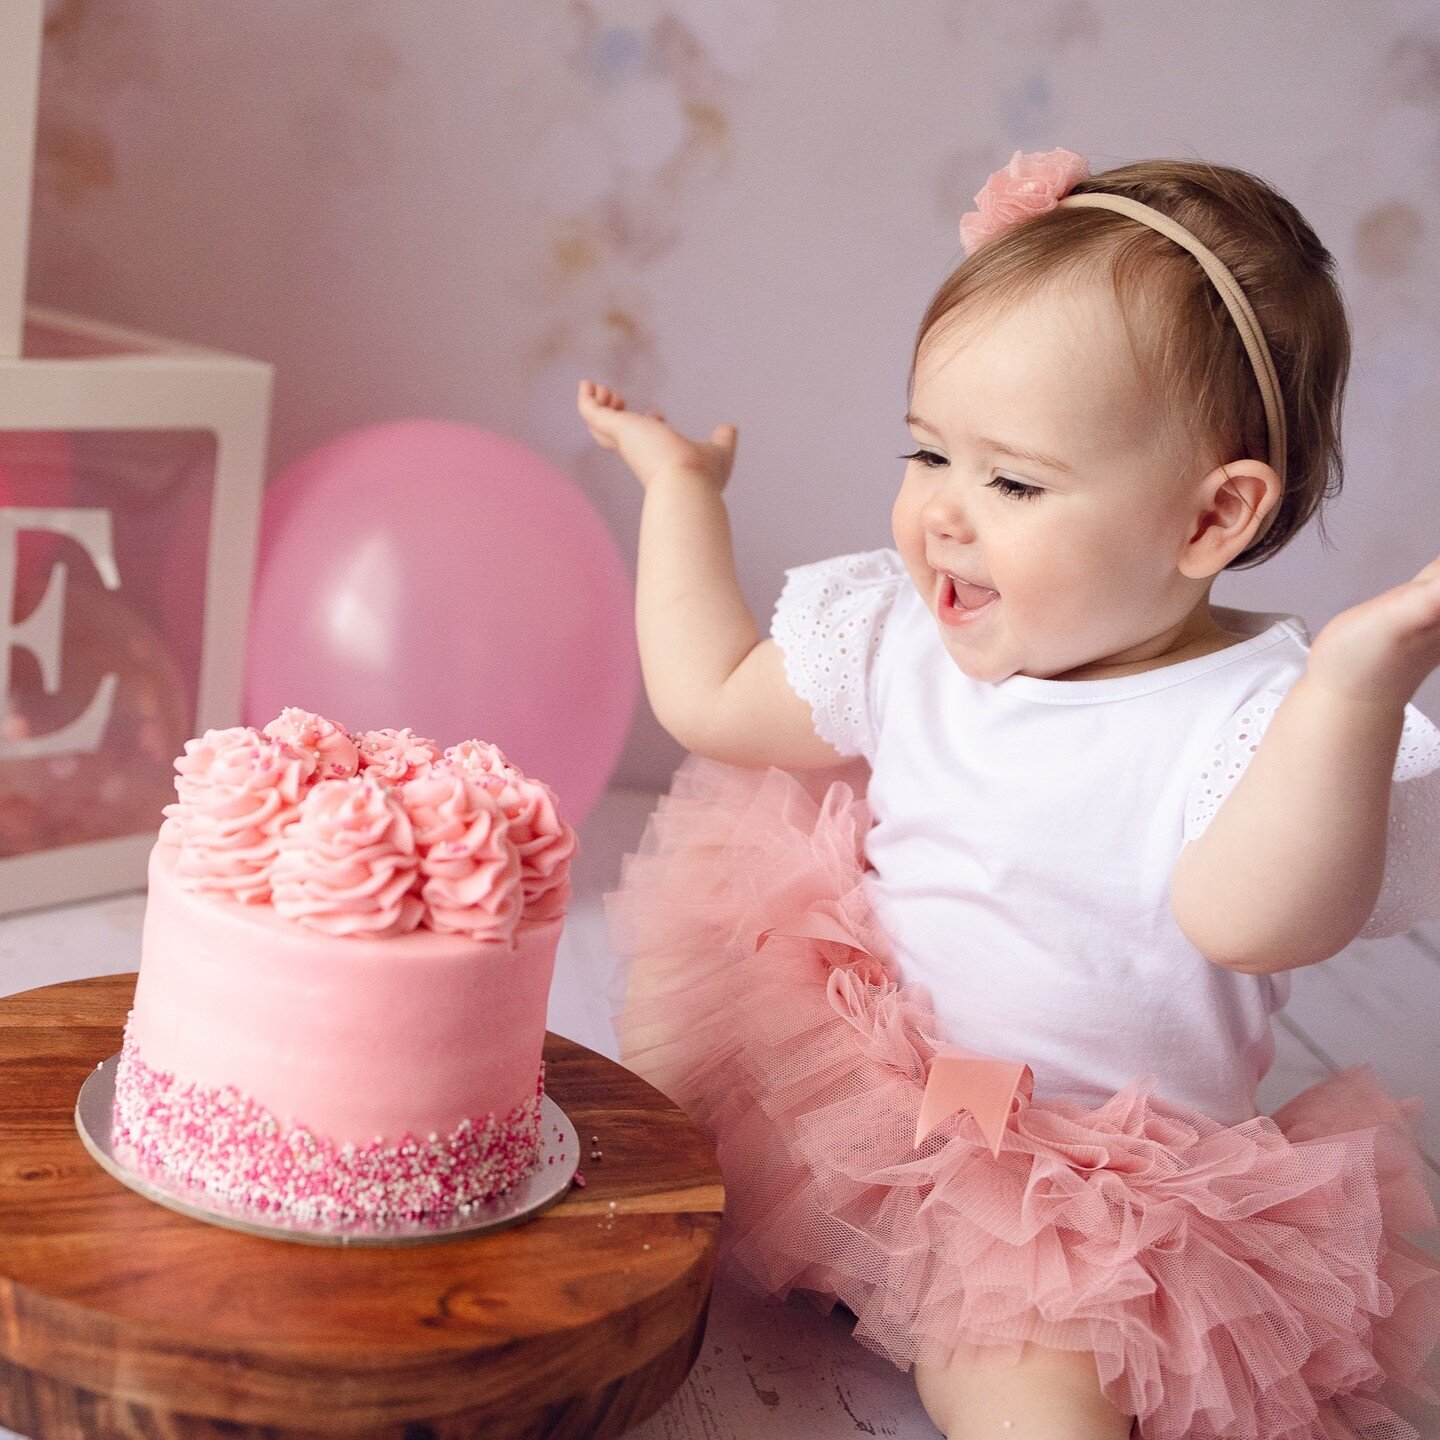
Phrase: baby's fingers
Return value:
(599, 396)
(598, 408)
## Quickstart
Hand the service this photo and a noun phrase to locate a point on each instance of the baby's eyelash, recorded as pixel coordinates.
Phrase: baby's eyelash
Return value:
(1006, 486)
(1002, 483)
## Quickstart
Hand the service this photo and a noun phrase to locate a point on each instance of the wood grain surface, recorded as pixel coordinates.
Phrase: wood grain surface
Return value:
(119, 1317)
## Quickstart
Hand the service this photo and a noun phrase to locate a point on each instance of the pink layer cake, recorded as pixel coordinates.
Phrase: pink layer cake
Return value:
(347, 954)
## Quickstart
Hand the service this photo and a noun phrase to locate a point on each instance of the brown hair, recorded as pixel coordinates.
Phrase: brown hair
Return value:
(1186, 343)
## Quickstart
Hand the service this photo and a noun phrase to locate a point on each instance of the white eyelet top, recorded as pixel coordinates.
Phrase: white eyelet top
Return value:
(1025, 833)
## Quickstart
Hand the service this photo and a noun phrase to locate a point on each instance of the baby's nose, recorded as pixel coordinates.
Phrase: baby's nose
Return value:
(944, 514)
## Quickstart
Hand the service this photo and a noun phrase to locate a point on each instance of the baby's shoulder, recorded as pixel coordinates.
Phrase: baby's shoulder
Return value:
(839, 598)
(830, 625)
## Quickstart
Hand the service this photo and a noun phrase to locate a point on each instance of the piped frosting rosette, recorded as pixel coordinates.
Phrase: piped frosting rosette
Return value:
(347, 863)
(545, 841)
(237, 789)
(395, 755)
(470, 866)
(336, 753)
(371, 833)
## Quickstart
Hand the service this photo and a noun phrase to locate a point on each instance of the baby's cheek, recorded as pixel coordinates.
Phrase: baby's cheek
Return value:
(909, 538)
(1062, 601)
(902, 522)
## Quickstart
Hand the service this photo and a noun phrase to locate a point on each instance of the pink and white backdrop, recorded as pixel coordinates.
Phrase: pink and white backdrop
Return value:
(727, 209)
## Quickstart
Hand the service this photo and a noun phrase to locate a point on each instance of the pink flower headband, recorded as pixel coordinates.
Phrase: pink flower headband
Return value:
(1029, 185)
(1035, 183)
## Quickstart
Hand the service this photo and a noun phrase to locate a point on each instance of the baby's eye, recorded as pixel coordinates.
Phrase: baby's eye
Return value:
(1006, 486)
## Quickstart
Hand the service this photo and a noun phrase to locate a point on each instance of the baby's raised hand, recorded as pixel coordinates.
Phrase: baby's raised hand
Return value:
(648, 445)
(1383, 649)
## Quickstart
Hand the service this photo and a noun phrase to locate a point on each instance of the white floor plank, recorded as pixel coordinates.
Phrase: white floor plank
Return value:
(70, 942)
(1295, 1068)
(784, 1372)
(1378, 1001)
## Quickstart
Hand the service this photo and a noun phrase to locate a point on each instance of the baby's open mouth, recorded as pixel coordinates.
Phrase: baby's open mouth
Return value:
(971, 597)
(960, 601)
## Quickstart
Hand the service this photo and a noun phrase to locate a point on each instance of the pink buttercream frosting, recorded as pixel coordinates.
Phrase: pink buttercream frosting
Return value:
(395, 755)
(348, 864)
(469, 863)
(479, 757)
(336, 755)
(545, 841)
(463, 843)
(237, 791)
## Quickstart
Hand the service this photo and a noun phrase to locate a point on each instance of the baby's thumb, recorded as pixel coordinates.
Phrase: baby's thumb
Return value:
(724, 436)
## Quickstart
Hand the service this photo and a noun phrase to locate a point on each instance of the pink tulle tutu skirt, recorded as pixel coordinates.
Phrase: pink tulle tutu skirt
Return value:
(1231, 1281)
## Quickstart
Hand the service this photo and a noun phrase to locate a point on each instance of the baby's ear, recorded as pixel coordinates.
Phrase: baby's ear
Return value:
(1233, 506)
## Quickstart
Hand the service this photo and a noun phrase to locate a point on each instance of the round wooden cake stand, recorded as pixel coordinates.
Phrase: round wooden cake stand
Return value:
(120, 1317)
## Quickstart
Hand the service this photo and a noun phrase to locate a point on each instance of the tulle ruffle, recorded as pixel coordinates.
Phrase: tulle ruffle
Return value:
(1231, 1281)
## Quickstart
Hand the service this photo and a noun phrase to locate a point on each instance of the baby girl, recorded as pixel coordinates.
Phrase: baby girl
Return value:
(976, 1022)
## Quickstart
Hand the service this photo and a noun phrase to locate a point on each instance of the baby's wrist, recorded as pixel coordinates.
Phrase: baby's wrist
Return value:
(1372, 700)
(682, 475)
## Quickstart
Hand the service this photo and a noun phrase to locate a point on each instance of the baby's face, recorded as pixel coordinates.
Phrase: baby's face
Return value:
(1084, 559)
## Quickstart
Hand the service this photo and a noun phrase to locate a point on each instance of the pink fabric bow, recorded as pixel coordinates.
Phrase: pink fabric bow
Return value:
(1029, 185)
(962, 1079)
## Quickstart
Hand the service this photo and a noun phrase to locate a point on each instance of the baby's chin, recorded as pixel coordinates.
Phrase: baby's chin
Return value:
(998, 661)
(984, 669)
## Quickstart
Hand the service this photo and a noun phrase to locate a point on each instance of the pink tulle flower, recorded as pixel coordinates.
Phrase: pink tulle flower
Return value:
(1029, 185)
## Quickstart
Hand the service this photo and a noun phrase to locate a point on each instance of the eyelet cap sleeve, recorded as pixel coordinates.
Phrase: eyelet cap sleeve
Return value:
(1410, 891)
(829, 622)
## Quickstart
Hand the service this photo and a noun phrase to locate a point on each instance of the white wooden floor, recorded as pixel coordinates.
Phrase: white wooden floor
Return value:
(781, 1372)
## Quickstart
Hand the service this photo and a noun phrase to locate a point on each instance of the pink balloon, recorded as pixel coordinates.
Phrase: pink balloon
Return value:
(431, 574)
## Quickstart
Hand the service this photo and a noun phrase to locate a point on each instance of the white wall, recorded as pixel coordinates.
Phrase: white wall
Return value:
(728, 209)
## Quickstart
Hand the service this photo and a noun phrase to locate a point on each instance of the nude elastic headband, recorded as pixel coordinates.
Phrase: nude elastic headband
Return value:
(1235, 301)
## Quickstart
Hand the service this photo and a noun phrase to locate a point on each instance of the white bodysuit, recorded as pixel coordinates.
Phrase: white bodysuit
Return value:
(1025, 834)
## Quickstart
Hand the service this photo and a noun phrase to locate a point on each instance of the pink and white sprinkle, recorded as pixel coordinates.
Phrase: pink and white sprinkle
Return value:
(224, 1143)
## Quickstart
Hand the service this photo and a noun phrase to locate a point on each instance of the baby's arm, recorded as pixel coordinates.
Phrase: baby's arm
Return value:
(712, 681)
(1291, 865)
(1289, 869)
